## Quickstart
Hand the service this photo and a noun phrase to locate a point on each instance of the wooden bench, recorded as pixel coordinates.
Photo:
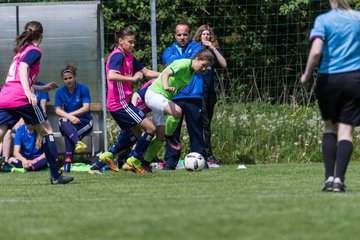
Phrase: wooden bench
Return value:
(94, 141)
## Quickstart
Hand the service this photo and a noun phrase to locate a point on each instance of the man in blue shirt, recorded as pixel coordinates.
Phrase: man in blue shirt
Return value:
(189, 99)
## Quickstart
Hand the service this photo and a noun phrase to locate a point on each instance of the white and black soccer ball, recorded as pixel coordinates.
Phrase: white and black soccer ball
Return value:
(194, 162)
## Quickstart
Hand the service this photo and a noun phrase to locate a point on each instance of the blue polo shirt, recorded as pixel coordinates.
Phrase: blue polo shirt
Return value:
(175, 52)
(340, 32)
(27, 143)
(73, 101)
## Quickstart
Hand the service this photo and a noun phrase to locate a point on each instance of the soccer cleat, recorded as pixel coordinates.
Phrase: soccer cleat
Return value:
(61, 180)
(80, 147)
(19, 170)
(146, 165)
(94, 170)
(171, 140)
(213, 165)
(135, 164)
(126, 167)
(108, 158)
(213, 160)
(328, 185)
(338, 186)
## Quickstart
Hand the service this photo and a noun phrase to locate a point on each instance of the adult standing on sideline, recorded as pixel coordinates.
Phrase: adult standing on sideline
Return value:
(72, 105)
(17, 98)
(206, 37)
(335, 39)
(189, 99)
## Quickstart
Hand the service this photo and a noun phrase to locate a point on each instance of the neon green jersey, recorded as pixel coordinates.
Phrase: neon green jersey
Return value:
(182, 76)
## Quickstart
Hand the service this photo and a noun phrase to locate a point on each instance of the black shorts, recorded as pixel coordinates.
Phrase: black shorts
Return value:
(128, 117)
(31, 114)
(339, 97)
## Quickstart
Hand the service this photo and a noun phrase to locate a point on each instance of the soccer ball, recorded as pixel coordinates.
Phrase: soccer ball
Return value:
(194, 162)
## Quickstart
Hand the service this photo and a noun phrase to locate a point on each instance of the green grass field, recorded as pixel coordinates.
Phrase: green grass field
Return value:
(275, 201)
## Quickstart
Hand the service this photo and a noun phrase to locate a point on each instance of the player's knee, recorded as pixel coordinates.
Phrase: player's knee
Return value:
(177, 113)
(151, 130)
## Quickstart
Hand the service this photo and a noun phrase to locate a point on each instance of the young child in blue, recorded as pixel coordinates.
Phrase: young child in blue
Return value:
(26, 154)
(72, 105)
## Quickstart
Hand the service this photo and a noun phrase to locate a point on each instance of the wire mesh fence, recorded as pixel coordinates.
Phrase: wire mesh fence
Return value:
(265, 42)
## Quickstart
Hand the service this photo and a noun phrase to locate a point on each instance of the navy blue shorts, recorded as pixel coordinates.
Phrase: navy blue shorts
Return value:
(339, 97)
(128, 117)
(31, 114)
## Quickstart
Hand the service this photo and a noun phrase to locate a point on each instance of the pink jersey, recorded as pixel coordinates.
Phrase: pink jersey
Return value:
(12, 93)
(118, 93)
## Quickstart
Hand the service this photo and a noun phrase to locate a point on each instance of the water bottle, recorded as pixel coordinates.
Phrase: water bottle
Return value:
(67, 165)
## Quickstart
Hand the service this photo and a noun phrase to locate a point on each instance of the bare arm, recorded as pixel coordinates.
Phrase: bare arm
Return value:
(150, 73)
(62, 114)
(73, 116)
(45, 88)
(115, 76)
(220, 58)
(313, 59)
(81, 111)
(165, 80)
(24, 79)
(18, 155)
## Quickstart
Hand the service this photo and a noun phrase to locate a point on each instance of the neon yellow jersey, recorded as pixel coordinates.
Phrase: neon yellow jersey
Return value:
(182, 76)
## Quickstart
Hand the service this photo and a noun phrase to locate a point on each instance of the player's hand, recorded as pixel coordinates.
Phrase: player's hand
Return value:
(304, 78)
(208, 44)
(31, 97)
(51, 86)
(169, 89)
(74, 120)
(138, 76)
(26, 163)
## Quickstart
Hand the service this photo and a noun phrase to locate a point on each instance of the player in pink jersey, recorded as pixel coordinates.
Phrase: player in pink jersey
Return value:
(122, 69)
(126, 138)
(17, 98)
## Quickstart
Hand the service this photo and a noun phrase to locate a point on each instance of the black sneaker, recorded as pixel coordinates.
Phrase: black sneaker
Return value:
(328, 186)
(171, 140)
(95, 170)
(146, 165)
(212, 159)
(168, 168)
(339, 187)
(61, 180)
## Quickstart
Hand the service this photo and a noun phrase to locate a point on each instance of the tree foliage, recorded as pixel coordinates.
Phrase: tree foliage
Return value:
(264, 42)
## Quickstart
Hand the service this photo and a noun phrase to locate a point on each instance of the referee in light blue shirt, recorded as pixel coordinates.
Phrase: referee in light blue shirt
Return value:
(336, 40)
